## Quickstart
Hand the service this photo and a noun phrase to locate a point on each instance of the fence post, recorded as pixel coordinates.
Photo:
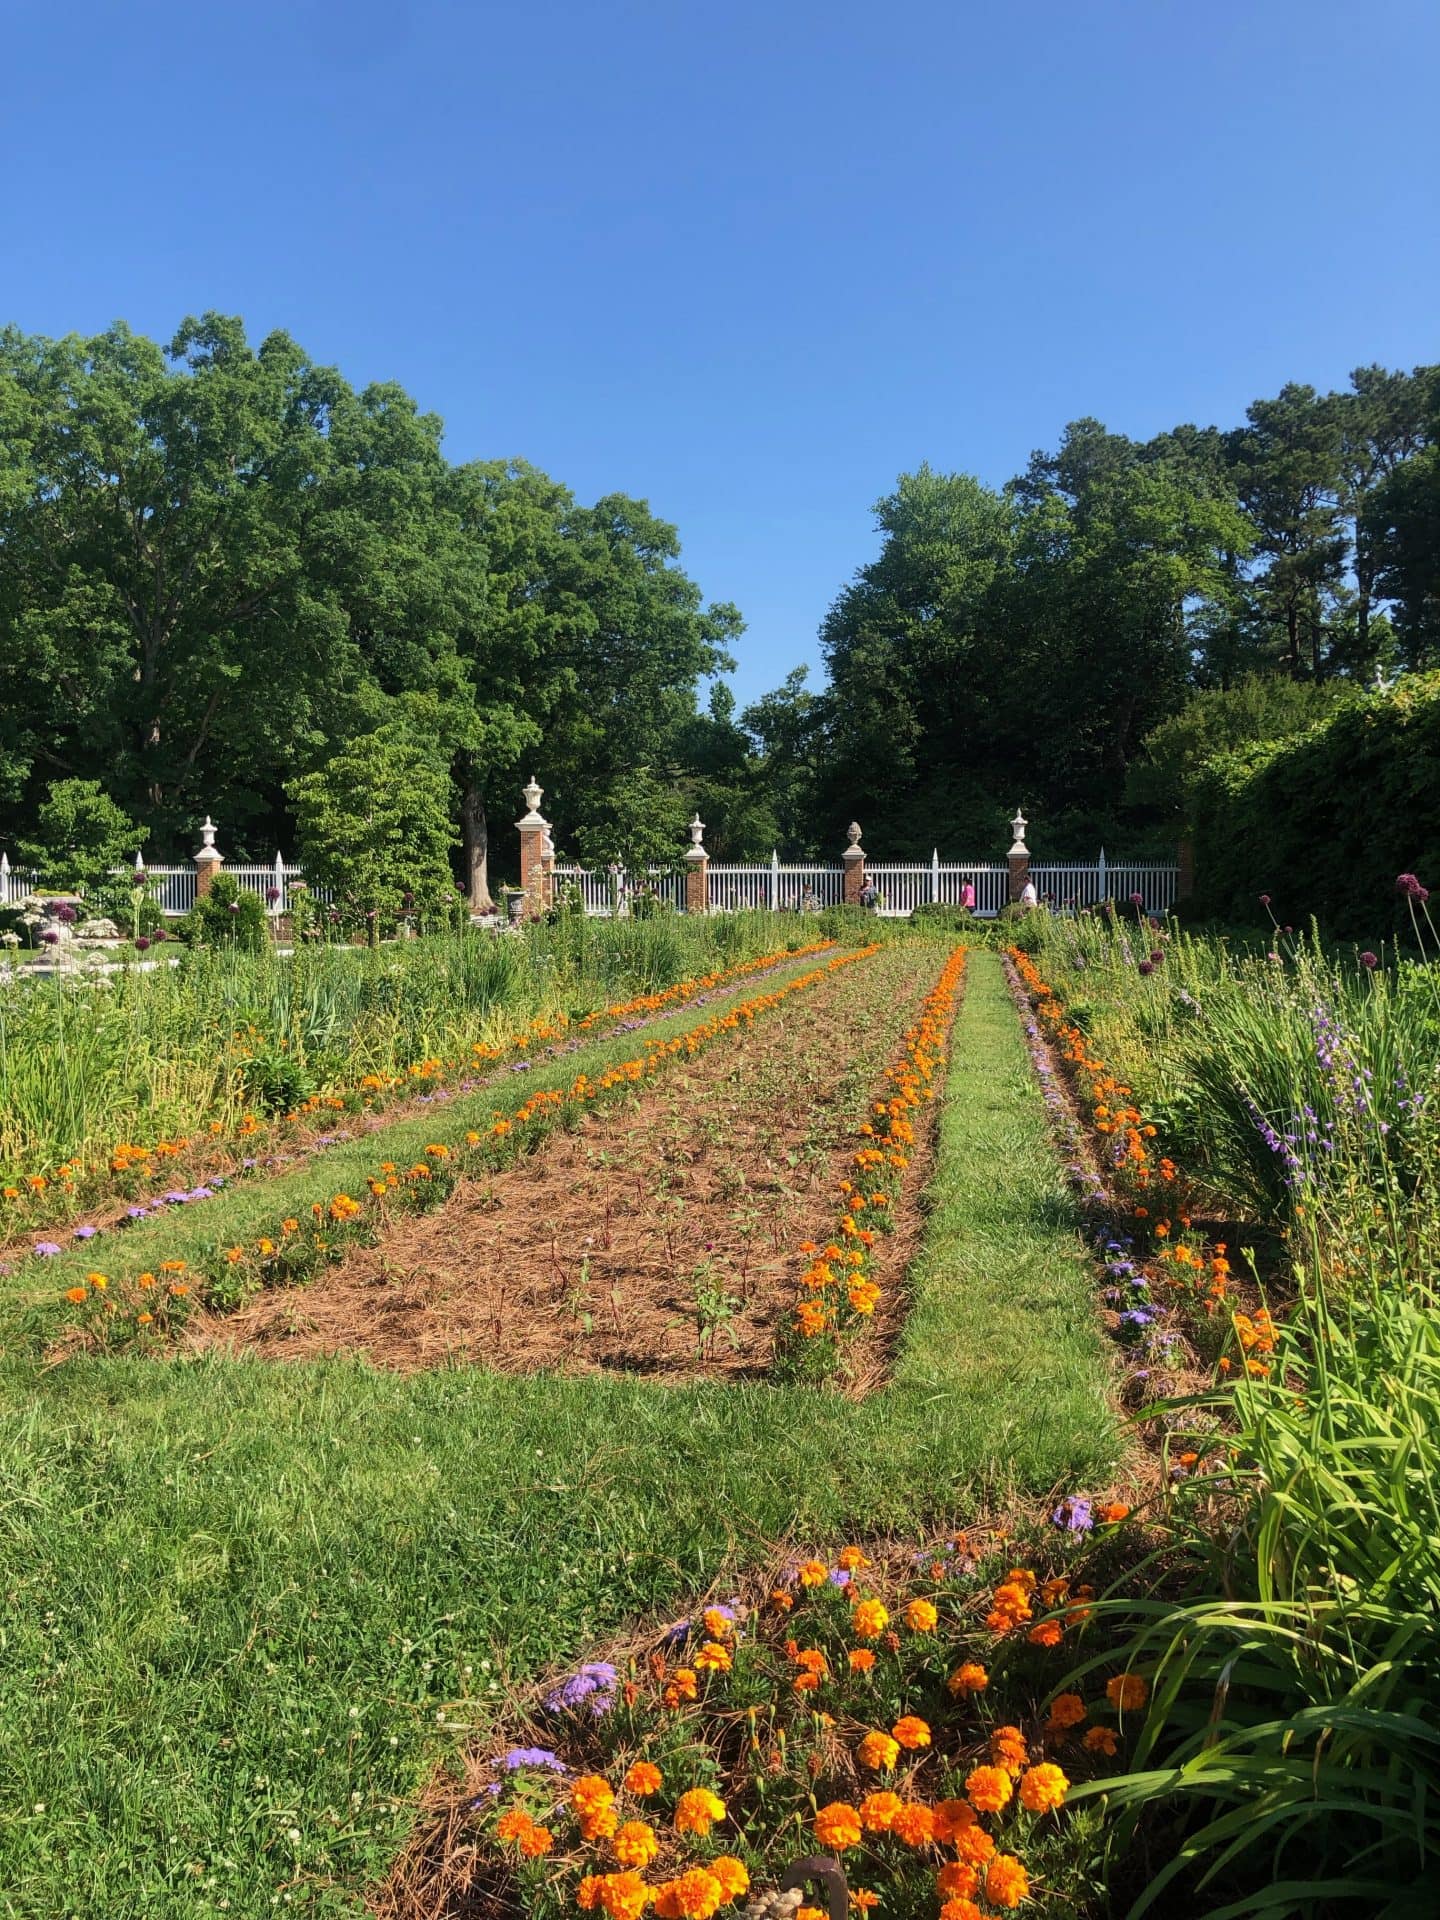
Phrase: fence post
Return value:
(1019, 857)
(774, 878)
(537, 852)
(935, 878)
(208, 860)
(1185, 878)
(1104, 893)
(853, 861)
(277, 905)
(4, 878)
(697, 871)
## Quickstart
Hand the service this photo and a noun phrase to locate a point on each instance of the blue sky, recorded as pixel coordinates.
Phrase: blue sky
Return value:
(748, 261)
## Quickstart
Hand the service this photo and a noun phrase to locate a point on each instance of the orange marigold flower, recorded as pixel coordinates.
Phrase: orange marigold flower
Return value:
(814, 1573)
(587, 1894)
(863, 1900)
(1128, 1691)
(1048, 1633)
(536, 1843)
(1114, 1511)
(513, 1824)
(988, 1789)
(643, 1778)
(718, 1625)
(877, 1810)
(233, 1254)
(960, 1909)
(969, 1678)
(974, 1846)
(878, 1752)
(713, 1658)
(1008, 1749)
(952, 1818)
(1042, 1788)
(914, 1824)
(635, 1844)
(920, 1616)
(624, 1896)
(1006, 1881)
(869, 1618)
(861, 1660)
(911, 1731)
(589, 1792)
(955, 1877)
(781, 1601)
(75, 1295)
(838, 1826)
(806, 1682)
(852, 1559)
(1102, 1740)
(1066, 1710)
(811, 1658)
(697, 1811)
(599, 1823)
(733, 1875)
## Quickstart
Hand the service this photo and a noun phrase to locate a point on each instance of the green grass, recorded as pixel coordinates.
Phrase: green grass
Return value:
(237, 1595)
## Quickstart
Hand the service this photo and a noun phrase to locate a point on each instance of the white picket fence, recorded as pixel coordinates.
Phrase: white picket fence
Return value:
(174, 887)
(773, 886)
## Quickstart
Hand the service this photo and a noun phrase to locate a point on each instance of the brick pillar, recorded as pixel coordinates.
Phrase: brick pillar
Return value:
(697, 871)
(537, 854)
(208, 861)
(1185, 879)
(1019, 857)
(853, 861)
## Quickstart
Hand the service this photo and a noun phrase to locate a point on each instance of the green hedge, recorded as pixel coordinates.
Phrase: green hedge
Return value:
(1324, 820)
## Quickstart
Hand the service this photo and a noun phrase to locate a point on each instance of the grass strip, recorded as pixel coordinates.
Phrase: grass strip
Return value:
(249, 1606)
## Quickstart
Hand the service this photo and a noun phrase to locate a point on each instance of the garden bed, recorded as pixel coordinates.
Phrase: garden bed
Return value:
(657, 1238)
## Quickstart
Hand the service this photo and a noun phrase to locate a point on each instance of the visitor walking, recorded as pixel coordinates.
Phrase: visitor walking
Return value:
(967, 896)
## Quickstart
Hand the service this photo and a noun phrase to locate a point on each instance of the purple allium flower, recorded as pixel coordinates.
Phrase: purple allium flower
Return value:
(272, 894)
(1146, 967)
(65, 914)
(1264, 899)
(1371, 960)
(1156, 957)
(45, 1248)
(1409, 885)
(142, 945)
(50, 936)
(86, 1233)
(1137, 899)
(1073, 1515)
(533, 1757)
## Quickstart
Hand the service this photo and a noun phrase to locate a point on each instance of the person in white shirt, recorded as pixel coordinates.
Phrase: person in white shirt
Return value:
(1028, 895)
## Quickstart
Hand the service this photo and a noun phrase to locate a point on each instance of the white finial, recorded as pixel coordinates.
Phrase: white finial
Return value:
(852, 833)
(139, 861)
(1017, 827)
(697, 829)
(695, 852)
(534, 793)
(208, 848)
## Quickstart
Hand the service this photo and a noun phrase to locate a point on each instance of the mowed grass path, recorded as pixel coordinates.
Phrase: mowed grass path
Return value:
(246, 1608)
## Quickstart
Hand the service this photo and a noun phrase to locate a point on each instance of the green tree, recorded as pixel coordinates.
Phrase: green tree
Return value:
(1222, 720)
(1401, 528)
(374, 827)
(80, 835)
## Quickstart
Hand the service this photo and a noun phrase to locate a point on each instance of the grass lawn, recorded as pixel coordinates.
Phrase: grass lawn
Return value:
(247, 1606)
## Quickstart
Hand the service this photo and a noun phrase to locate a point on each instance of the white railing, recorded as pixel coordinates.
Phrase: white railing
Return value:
(741, 884)
(173, 888)
(1086, 884)
(601, 891)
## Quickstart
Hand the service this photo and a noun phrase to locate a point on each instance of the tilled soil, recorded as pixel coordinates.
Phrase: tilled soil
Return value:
(658, 1238)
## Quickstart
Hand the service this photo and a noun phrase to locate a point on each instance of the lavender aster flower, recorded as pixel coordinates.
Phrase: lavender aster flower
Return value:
(86, 1233)
(533, 1757)
(1073, 1515)
(45, 1248)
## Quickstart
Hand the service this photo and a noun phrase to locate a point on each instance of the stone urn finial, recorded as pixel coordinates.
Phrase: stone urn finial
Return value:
(852, 833)
(534, 793)
(208, 849)
(1017, 827)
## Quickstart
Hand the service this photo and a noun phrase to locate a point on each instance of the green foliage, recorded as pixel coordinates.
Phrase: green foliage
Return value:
(374, 827)
(1324, 820)
(80, 833)
(1216, 720)
(229, 915)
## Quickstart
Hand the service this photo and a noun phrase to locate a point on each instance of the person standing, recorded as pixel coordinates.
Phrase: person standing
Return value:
(967, 896)
(1028, 896)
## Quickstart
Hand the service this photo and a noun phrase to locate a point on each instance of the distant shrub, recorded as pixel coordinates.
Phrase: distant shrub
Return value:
(227, 916)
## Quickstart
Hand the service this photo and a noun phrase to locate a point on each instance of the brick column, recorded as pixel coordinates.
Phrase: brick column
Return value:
(1019, 857)
(208, 861)
(853, 860)
(1185, 879)
(697, 871)
(537, 854)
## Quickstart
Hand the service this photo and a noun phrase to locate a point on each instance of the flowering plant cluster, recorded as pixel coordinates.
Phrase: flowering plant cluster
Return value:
(853, 1708)
(290, 1253)
(131, 1167)
(837, 1291)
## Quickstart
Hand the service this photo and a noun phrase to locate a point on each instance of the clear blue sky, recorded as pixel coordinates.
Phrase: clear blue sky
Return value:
(747, 260)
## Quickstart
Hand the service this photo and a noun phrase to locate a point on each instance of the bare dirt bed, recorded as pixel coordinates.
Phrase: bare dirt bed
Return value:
(659, 1238)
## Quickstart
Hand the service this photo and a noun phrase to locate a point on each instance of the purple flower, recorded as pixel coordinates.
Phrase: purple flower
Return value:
(1073, 1515)
(1264, 899)
(1407, 884)
(1371, 960)
(50, 936)
(272, 894)
(1135, 1317)
(1156, 957)
(142, 945)
(533, 1757)
(65, 914)
(1137, 899)
(45, 1248)
(174, 1199)
(595, 1682)
(136, 1213)
(838, 1577)
(1146, 967)
(86, 1233)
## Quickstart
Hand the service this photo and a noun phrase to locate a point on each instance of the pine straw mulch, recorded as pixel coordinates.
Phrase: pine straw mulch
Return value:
(588, 1255)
